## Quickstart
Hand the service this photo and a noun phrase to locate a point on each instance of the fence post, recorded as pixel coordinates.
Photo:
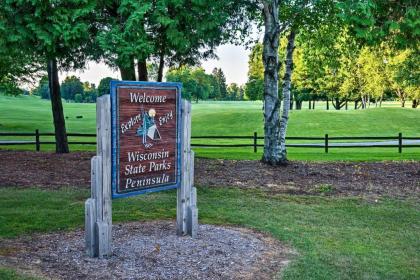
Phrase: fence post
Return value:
(399, 142)
(255, 142)
(37, 143)
(326, 143)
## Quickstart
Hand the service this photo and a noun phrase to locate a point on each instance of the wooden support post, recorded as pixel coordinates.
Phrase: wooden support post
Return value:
(400, 142)
(326, 143)
(37, 143)
(192, 217)
(98, 208)
(186, 210)
(90, 220)
(255, 142)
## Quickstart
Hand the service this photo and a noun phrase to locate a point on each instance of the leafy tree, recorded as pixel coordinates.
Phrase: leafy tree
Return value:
(407, 73)
(17, 67)
(78, 98)
(215, 88)
(196, 84)
(42, 89)
(402, 72)
(167, 32)
(234, 92)
(59, 32)
(104, 86)
(375, 21)
(70, 87)
(152, 71)
(254, 87)
(90, 93)
(220, 82)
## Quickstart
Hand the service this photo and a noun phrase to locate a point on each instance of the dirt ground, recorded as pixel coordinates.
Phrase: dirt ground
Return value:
(388, 178)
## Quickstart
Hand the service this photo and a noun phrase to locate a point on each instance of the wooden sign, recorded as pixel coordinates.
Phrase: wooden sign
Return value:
(146, 145)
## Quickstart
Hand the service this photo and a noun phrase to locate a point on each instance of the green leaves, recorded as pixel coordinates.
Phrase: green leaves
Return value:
(373, 21)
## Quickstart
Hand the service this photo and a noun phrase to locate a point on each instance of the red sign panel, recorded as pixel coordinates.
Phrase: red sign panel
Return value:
(145, 136)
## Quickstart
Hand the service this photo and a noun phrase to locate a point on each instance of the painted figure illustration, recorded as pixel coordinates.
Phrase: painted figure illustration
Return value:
(148, 128)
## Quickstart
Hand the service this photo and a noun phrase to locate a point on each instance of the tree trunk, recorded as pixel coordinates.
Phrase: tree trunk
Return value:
(380, 101)
(364, 102)
(161, 66)
(298, 104)
(128, 73)
(415, 103)
(309, 104)
(286, 96)
(328, 104)
(61, 143)
(313, 105)
(142, 70)
(272, 146)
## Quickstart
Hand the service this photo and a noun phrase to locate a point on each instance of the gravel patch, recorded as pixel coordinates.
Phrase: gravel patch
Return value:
(150, 250)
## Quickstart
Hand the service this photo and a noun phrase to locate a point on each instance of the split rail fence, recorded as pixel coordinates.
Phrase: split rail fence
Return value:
(323, 142)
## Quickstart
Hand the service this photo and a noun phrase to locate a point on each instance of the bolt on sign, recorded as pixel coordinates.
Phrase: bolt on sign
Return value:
(146, 137)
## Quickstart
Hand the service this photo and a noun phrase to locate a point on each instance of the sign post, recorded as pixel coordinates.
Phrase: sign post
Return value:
(143, 146)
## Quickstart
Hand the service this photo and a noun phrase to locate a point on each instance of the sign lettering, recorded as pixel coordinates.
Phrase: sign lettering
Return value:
(145, 137)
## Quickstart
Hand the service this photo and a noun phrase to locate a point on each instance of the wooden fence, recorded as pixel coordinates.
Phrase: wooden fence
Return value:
(324, 141)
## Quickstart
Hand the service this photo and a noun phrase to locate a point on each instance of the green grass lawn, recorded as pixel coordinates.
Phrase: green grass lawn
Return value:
(27, 113)
(335, 238)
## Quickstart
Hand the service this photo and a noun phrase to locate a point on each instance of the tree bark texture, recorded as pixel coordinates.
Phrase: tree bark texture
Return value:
(272, 146)
(128, 72)
(161, 66)
(142, 70)
(61, 143)
(286, 95)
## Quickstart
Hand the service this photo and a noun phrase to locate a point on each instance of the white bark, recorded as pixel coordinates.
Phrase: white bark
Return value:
(286, 95)
(271, 66)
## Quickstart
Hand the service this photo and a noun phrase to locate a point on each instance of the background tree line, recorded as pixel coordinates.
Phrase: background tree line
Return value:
(330, 65)
(74, 90)
(197, 85)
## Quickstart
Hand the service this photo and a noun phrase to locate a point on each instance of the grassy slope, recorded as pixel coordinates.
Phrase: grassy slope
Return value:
(335, 238)
(26, 113)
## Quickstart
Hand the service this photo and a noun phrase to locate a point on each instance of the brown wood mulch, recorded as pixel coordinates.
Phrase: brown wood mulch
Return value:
(388, 178)
(150, 250)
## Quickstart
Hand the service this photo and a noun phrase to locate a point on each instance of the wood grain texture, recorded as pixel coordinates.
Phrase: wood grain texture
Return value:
(184, 192)
(105, 137)
(90, 219)
(155, 162)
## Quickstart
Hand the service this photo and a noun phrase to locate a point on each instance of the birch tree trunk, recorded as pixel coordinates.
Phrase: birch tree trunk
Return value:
(286, 95)
(271, 67)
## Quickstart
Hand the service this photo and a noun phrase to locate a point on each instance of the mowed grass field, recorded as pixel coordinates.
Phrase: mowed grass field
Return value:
(27, 113)
(334, 238)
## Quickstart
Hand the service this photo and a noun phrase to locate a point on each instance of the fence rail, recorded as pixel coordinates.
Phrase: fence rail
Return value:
(326, 143)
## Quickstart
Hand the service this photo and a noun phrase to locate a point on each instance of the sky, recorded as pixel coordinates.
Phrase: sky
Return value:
(233, 60)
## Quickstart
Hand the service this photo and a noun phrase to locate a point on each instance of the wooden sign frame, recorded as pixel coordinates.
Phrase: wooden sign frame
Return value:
(115, 136)
(98, 208)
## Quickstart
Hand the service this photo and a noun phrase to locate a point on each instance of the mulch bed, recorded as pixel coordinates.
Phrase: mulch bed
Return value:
(389, 178)
(150, 250)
